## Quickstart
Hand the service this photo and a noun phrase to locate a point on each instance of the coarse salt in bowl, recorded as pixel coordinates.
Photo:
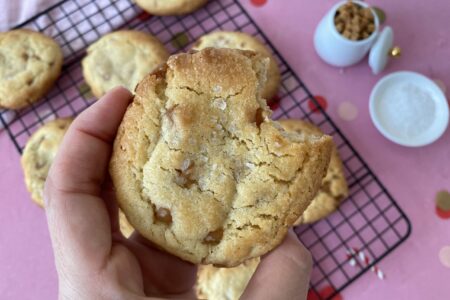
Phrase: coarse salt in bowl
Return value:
(409, 109)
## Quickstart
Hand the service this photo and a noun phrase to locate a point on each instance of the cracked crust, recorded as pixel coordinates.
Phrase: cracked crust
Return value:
(30, 63)
(334, 187)
(121, 58)
(244, 41)
(224, 283)
(38, 155)
(170, 7)
(201, 170)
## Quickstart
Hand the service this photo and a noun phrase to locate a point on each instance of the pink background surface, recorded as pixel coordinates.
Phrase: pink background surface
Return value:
(413, 176)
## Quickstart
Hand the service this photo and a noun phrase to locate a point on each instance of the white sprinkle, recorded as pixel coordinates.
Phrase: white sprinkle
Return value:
(185, 165)
(8, 116)
(217, 89)
(220, 103)
(214, 167)
(278, 145)
(362, 256)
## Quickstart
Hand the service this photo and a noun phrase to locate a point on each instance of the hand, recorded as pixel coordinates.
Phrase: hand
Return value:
(94, 260)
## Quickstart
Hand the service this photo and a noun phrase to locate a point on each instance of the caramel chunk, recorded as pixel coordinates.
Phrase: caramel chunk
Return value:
(214, 237)
(163, 215)
(259, 118)
(353, 21)
(185, 177)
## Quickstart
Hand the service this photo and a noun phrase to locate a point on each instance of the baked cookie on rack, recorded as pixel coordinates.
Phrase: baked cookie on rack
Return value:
(334, 187)
(121, 58)
(30, 63)
(244, 41)
(38, 156)
(170, 7)
(199, 167)
(224, 283)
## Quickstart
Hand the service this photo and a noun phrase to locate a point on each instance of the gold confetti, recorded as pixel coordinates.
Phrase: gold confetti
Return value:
(396, 52)
(85, 91)
(443, 200)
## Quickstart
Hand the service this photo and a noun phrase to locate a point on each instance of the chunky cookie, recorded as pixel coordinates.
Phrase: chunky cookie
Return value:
(224, 283)
(199, 167)
(30, 63)
(38, 155)
(121, 58)
(243, 41)
(334, 187)
(170, 7)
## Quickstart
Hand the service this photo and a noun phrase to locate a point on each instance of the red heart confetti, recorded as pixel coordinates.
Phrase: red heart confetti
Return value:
(258, 2)
(324, 293)
(274, 103)
(144, 16)
(442, 214)
(313, 105)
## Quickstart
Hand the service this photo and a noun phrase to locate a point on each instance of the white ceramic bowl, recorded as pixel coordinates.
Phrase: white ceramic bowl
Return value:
(394, 83)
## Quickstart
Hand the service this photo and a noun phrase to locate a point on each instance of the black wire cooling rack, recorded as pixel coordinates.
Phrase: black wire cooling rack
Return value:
(368, 222)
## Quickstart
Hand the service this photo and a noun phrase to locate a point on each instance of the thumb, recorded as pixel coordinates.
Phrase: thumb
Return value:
(283, 273)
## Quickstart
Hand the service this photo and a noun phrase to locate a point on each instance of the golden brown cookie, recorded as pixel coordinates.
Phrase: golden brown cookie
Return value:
(30, 63)
(170, 7)
(244, 41)
(121, 58)
(199, 167)
(224, 283)
(38, 156)
(334, 187)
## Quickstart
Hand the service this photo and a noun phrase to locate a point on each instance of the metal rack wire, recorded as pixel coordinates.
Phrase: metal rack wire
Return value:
(369, 219)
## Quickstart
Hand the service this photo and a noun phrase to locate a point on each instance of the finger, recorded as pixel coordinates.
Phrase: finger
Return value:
(109, 196)
(163, 273)
(283, 273)
(78, 218)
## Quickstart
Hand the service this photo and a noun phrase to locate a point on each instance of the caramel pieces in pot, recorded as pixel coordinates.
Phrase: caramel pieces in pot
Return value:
(354, 22)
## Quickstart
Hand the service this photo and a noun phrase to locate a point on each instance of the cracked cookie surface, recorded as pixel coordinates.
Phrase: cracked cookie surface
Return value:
(121, 58)
(334, 187)
(224, 283)
(244, 41)
(170, 7)
(30, 63)
(38, 156)
(201, 170)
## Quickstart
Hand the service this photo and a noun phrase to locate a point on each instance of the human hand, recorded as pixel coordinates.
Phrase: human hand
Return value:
(95, 261)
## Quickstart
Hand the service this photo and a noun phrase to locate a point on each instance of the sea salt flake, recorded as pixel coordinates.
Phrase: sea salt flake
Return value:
(217, 89)
(220, 104)
(250, 165)
(185, 165)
